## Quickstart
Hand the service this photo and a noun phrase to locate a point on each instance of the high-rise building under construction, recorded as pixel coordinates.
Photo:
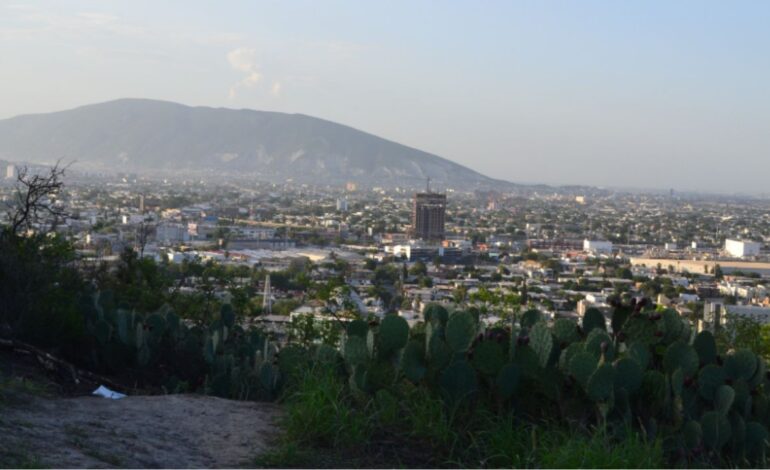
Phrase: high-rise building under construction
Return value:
(428, 215)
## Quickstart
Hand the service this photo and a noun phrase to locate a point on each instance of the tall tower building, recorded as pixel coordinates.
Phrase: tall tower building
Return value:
(10, 172)
(428, 215)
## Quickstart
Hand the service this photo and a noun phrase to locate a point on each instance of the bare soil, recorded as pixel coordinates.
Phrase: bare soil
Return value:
(162, 431)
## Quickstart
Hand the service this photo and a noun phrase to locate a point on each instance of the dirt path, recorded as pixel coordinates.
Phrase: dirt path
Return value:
(171, 431)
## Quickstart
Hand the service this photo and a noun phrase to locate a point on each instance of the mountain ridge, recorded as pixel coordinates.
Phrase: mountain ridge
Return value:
(139, 134)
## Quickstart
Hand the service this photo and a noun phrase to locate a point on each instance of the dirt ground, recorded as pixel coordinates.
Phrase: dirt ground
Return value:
(166, 431)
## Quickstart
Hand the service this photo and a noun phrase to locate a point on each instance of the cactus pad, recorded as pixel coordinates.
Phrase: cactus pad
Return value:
(706, 347)
(507, 380)
(680, 355)
(488, 358)
(601, 383)
(541, 342)
(594, 318)
(393, 334)
(460, 331)
(458, 381)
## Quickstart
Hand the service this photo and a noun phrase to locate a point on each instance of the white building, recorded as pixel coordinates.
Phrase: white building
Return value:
(132, 219)
(342, 205)
(742, 248)
(596, 246)
(170, 233)
(10, 172)
(713, 311)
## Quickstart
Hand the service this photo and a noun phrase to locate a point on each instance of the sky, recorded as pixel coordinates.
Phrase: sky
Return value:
(644, 94)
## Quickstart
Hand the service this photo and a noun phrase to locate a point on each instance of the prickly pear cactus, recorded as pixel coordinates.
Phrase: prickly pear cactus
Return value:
(460, 331)
(594, 318)
(488, 358)
(393, 334)
(628, 375)
(458, 382)
(507, 381)
(541, 342)
(716, 430)
(601, 383)
(530, 317)
(565, 331)
(681, 355)
(413, 362)
(706, 347)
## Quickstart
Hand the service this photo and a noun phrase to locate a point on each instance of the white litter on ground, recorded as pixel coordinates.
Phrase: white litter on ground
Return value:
(105, 392)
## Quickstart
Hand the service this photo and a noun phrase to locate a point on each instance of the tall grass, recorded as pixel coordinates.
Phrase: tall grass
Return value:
(327, 425)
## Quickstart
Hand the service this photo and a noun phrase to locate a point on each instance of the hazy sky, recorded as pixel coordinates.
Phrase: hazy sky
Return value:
(619, 93)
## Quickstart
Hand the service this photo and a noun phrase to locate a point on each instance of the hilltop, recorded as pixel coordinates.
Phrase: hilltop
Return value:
(148, 135)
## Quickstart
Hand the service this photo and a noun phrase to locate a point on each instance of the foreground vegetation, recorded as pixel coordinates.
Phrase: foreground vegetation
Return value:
(326, 425)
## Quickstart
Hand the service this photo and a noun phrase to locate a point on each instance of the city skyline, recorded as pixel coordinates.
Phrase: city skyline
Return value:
(647, 95)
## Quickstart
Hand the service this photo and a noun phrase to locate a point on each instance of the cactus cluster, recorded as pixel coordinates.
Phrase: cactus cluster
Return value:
(638, 367)
(645, 368)
(220, 358)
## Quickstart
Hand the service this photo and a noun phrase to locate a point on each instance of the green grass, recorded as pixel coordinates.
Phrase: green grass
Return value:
(322, 411)
(599, 451)
(328, 426)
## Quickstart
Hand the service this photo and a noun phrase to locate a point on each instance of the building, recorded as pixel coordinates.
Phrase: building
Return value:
(596, 247)
(413, 252)
(10, 172)
(428, 216)
(342, 205)
(719, 313)
(741, 248)
(171, 233)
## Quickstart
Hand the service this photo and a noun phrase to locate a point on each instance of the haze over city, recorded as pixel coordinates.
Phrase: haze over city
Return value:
(384, 234)
(646, 95)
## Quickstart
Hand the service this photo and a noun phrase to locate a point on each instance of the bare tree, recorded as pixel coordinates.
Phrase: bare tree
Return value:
(32, 198)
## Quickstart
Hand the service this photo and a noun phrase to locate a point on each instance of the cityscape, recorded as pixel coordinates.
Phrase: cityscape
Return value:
(559, 251)
(303, 234)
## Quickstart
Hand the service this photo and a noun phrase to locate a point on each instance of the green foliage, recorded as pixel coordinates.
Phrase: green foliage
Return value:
(507, 381)
(601, 383)
(460, 331)
(741, 365)
(458, 382)
(681, 355)
(581, 366)
(628, 375)
(530, 317)
(565, 331)
(593, 318)
(413, 361)
(393, 334)
(542, 342)
(706, 347)
(488, 358)
(716, 429)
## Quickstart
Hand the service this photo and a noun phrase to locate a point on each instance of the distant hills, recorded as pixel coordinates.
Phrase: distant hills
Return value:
(147, 135)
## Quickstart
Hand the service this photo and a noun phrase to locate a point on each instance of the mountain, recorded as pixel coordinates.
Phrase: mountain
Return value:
(146, 135)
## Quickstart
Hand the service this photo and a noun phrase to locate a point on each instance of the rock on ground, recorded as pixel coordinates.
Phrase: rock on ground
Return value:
(168, 431)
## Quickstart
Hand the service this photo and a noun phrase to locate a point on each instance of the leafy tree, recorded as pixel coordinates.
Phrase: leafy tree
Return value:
(718, 274)
(418, 269)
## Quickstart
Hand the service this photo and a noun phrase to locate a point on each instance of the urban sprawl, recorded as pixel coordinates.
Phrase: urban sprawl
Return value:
(365, 252)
